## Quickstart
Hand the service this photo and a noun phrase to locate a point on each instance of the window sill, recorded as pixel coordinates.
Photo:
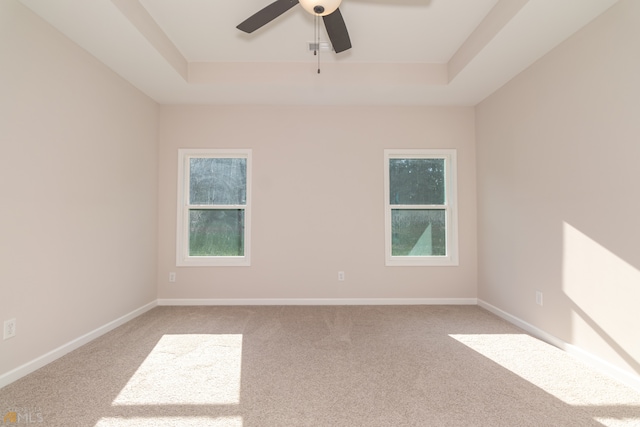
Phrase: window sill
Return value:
(214, 262)
(421, 261)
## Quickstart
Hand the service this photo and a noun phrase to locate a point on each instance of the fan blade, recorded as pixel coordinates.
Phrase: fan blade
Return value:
(337, 31)
(266, 15)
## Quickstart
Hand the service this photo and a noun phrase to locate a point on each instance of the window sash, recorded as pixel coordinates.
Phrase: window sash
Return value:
(226, 241)
(422, 237)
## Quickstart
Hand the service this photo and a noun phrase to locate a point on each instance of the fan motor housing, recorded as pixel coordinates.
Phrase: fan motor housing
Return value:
(319, 7)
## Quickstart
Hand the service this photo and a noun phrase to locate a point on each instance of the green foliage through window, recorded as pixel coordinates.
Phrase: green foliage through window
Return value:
(216, 232)
(418, 232)
(416, 181)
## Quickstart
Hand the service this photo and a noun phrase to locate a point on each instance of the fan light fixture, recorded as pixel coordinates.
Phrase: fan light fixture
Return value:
(320, 7)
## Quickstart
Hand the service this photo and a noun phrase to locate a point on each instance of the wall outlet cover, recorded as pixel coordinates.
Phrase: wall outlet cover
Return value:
(9, 329)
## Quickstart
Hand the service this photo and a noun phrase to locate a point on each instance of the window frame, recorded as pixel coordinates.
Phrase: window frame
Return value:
(450, 206)
(183, 259)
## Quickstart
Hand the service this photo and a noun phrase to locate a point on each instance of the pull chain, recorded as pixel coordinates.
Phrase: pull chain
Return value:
(317, 30)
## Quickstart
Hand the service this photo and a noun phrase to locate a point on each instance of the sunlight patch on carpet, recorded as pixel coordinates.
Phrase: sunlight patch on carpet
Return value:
(553, 370)
(190, 369)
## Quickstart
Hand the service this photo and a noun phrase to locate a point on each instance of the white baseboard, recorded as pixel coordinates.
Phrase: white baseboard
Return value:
(613, 371)
(321, 301)
(29, 367)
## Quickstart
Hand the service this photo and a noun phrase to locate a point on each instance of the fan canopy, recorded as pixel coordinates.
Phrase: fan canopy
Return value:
(320, 7)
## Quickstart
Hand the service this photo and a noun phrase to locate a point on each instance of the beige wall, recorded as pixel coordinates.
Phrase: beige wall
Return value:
(558, 152)
(78, 184)
(317, 200)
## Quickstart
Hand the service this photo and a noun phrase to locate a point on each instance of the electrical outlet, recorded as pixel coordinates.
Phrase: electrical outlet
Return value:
(341, 276)
(172, 277)
(9, 329)
(538, 297)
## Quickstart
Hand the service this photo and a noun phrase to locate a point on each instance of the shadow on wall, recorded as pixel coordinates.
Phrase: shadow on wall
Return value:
(603, 291)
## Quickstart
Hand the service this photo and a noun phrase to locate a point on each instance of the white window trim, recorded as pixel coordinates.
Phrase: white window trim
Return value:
(182, 245)
(451, 208)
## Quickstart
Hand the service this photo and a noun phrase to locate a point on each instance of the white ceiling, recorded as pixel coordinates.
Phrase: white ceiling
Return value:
(405, 52)
(204, 30)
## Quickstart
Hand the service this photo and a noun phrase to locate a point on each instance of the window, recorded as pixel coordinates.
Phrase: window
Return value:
(214, 200)
(420, 207)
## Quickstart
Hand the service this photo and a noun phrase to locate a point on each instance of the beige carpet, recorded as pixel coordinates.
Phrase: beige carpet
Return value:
(318, 366)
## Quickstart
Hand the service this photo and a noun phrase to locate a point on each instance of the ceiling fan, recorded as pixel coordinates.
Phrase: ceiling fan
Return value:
(327, 9)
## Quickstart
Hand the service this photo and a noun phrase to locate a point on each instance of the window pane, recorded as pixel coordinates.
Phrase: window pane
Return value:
(418, 232)
(416, 181)
(216, 232)
(218, 181)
